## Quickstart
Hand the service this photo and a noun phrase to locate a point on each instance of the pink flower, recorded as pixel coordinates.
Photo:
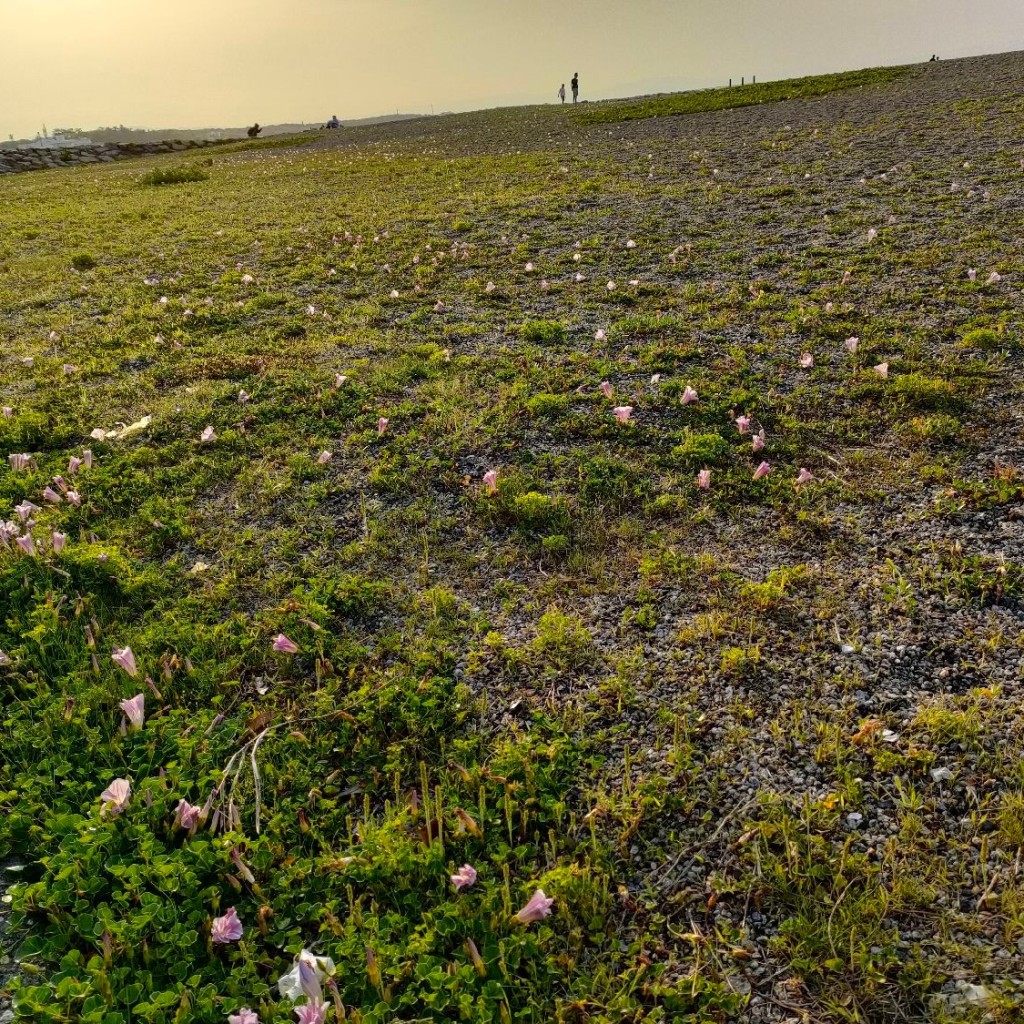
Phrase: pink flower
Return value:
(19, 461)
(491, 480)
(134, 710)
(579, 277)
(247, 279)
(8, 412)
(126, 659)
(74, 498)
(872, 234)
(847, 277)
(544, 286)
(606, 389)
(244, 1016)
(87, 458)
(311, 1013)
(25, 509)
(208, 435)
(529, 268)
(115, 798)
(489, 287)
(382, 425)
(763, 470)
(464, 877)
(227, 928)
(994, 278)
(704, 479)
(623, 413)
(804, 476)
(538, 907)
(394, 293)
(186, 815)
(600, 336)
(972, 275)
(52, 496)
(610, 286)
(758, 441)
(439, 307)
(339, 379)
(285, 646)
(27, 544)
(851, 344)
(830, 307)
(689, 395)
(58, 540)
(74, 464)
(743, 424)
(882, 369)
(807, 360)
(323, 458)
(630, 244)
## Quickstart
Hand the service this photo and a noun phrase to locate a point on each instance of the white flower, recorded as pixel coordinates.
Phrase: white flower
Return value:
(290, 984)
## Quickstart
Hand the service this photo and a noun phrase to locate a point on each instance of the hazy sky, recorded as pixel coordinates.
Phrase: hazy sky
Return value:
(188, 63)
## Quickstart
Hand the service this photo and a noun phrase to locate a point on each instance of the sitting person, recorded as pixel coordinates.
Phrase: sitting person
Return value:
(334, 122)
(254, 130)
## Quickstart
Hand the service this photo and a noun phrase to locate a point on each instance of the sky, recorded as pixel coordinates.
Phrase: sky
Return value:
(208, 63)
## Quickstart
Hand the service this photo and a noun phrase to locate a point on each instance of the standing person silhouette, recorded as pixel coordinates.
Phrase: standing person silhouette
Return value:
(575, 83)
(561, 92)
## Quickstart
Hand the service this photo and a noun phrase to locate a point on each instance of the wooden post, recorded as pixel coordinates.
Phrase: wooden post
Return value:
(743, 80)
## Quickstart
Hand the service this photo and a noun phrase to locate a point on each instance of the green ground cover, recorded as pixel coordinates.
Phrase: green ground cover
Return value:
(570, 681)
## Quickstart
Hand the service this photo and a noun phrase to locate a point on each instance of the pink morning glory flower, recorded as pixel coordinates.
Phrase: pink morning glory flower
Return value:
(606, 389)
(758, 441)
(27, 544)
(74, 498)
(704, 479)
(464, 877)
(491, 480)
(382, 425)
(743, 424)
(115, 798)
(536, 909)
(125, 658)
(763, 470)
(58, 540)
(882, 369)
(804, 476)
(311, 1013)
(623, 413)
(972, 275)
(285, 646)
(244, 1016)
(227, 928)
(186, 815)
(689, 395)
(135, 710)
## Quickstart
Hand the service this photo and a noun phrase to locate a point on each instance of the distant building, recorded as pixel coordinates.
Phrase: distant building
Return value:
(55, 142)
